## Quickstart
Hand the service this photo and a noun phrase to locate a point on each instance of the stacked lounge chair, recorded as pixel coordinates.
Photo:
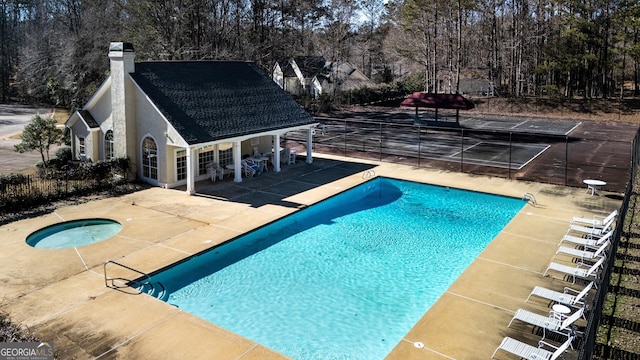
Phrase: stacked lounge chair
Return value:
(592, 239)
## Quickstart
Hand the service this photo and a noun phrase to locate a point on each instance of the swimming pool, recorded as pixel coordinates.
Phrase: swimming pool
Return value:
(346, 278)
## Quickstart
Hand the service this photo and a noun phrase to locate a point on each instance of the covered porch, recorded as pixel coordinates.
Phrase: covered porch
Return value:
(229, 158)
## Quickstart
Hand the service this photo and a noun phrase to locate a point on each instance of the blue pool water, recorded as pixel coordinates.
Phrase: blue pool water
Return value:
(73, 233)
(346, 278)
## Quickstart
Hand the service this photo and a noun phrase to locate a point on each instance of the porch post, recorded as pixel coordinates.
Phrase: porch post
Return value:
(276, 153)
(191, 168)
(310, 132)
(237, 161)
(216, 153)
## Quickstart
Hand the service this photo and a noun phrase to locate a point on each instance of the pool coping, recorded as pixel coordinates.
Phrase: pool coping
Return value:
(61, 295)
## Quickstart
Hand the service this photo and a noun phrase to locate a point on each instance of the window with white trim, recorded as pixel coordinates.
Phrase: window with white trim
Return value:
(81, 149)
(108, 145)
(149, 159)
(181, 164)
(205, 156)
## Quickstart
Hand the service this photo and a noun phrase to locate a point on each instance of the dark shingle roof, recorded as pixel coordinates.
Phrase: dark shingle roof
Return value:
(88, 119)
(287, 69)
(215, 100)
(309, 65)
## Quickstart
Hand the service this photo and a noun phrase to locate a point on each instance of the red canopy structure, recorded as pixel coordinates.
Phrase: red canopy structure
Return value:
(437, 101)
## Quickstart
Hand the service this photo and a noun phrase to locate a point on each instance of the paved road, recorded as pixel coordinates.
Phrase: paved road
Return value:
(13, 118)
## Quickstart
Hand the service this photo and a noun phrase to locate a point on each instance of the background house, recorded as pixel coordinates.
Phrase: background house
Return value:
(173, 118)
(339, 76)
(295, 75)
(313, 75)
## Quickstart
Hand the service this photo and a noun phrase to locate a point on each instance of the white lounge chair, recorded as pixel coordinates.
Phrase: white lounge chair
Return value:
(569, 296)
(526, 351)
(587, 254)
(555, 322)
(582, 270)
(591, 230)
(590, 242)
(596, 221)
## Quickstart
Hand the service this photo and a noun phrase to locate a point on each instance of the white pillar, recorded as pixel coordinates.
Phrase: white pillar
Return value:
(276, 153)
(309, 145)
(192, 167)
(237, 161)
(216, 153)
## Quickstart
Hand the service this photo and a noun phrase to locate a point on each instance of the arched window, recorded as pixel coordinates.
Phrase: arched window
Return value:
(108, 145)
(149, 159)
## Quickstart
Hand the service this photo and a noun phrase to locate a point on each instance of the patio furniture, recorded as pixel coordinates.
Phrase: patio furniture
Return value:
(588, 253)
(526, 351)
(291, 156)
(592, 185)
(215, 171)
(589, 241)
(596, 221)
(581, 270)
(568, 296)
(250, 168)
(556, 322)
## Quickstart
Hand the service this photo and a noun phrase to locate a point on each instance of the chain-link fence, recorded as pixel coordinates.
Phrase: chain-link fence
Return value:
(530, 156)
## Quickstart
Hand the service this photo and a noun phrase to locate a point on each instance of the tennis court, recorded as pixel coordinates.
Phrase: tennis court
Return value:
(556, 151)
(485, 142)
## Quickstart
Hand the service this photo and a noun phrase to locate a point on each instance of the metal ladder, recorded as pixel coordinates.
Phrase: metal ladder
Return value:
(368, 174)
(528, 197)
(142, 286)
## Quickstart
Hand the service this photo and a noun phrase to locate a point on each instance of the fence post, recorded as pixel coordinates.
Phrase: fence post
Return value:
(510, 144)
(419, 144)
(380, 144)
(345, 137)
(566, 160)
(461, 150)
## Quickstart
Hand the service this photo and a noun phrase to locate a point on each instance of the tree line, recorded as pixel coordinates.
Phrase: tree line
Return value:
(55, 51)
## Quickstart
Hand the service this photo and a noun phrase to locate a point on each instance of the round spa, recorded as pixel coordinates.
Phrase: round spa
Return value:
(73, 233)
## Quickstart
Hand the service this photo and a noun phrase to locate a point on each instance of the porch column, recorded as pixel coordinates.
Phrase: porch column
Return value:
(276, 153)
(237, 161)
(192, 167)
(216, 153)
(310, 132)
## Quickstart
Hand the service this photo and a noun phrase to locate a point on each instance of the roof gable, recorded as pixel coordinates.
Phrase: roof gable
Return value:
(88, 119)
(213, 100)
(309, 65)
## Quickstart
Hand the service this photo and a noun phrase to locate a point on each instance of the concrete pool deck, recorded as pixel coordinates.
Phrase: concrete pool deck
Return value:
(60, 295)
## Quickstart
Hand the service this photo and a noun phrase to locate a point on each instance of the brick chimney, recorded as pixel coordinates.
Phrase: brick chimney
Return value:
(121, 55)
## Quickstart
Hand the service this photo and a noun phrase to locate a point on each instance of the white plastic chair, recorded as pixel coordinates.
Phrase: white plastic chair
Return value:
(526, 351)
(250, 168)
(596, 221)
(569, 296)
(558, 323)
(292, 156)
(588, 253)
(215, 171)
(581, 270)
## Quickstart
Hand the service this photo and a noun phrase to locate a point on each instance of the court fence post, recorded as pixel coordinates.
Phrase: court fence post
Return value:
(380, 144)
(419, 144)
(461, 150)
(566, 160)
(510, 147)
(345, 137)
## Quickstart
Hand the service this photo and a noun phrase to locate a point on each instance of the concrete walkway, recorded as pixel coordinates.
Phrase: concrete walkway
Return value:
(60, 295)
